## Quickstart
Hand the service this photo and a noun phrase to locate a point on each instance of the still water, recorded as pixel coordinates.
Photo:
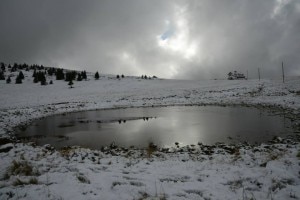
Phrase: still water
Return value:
(161, 125)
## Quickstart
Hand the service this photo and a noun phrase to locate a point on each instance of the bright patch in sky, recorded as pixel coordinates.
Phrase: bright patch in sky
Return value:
(176, 38)
(169, 32)
(129, 61)
(279, 6)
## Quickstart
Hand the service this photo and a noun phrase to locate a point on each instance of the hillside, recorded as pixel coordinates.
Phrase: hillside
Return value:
(267, 171)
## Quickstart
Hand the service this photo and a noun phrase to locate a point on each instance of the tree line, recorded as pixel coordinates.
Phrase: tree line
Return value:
(40, 73)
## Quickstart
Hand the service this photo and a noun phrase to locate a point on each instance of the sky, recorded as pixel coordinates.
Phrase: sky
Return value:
(181, 39)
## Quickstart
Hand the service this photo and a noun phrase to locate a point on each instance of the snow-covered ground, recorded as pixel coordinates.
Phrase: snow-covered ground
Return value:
(269, 171)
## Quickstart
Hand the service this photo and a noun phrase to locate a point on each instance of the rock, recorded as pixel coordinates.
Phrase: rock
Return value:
(256, 150)
(5, 140)
(229, 149)
(6, 148)
(48, 147)
(263, 164)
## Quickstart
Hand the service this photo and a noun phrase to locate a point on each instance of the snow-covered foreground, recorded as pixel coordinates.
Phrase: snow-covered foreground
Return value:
(269, 171)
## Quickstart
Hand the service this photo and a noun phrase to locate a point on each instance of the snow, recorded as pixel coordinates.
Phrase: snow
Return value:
(268, 171)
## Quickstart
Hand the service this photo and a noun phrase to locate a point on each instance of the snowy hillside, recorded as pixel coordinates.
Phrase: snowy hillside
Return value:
(269, 171)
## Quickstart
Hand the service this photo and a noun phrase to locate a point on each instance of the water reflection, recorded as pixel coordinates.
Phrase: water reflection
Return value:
(162, 126)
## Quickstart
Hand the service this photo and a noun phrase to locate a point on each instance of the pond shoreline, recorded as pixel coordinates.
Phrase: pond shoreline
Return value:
(289, 113)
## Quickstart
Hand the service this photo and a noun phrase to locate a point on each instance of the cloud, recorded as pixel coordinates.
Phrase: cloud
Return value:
(173, 39)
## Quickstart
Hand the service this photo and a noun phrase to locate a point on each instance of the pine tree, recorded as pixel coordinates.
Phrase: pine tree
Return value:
(34, 73)
(122, 76)
(70, 83)
(50, 71)
(60, 74)
(79, 77)
(70, 76)
(118, 76)
(18, 80)
(51, 82)
(73, 75)
(44, 82)
(2, 77)
(21, 75)
(83, 74)
(8, 80)
(15, 66)
(42, 78)
(35, 79)
(3, 67)
(97, 76)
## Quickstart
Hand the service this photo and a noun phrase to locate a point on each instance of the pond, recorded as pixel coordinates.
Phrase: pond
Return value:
(160, 125)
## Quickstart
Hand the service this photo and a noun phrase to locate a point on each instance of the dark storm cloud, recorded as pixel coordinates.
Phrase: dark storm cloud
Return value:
(244, 35)
(181, 39)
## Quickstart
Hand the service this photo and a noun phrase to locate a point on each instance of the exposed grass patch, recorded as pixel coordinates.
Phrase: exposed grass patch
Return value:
(136, 183)
(144, 195)
(32, 181)
(116, 183)
(151, 149)
(22, 168)
(18, 182)
(66, 151)
(83, 179)
(197, 192)
(257, 91)
(235, 184)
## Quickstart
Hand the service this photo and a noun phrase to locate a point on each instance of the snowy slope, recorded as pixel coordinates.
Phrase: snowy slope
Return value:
(219, 172)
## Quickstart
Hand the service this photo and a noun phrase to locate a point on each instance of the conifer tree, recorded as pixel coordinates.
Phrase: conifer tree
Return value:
(83, 74)
(8, 80)
(18, 80)
(50, 71)
(71, 83)
(43, 82)
(42, 78)
(70, 76)
(97, 76)
(15, 66)
(2, 77)
(60, 74)
(21, 75)
(35, 79)
(3, 67)
(34, 73)
(79, 77)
